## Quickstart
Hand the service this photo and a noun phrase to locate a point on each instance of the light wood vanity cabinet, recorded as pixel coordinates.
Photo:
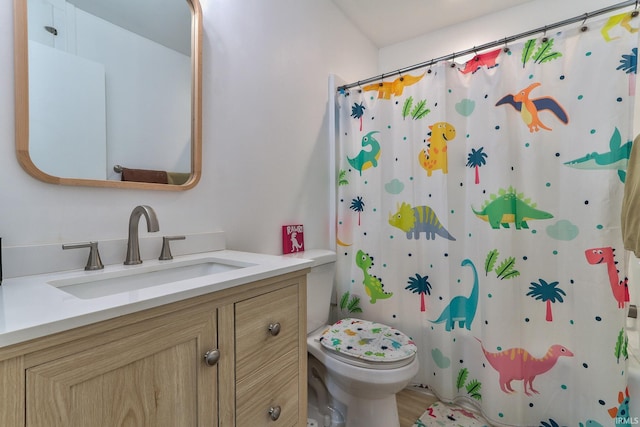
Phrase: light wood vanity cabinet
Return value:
(267, 357)
(154, 377)
(148, 369)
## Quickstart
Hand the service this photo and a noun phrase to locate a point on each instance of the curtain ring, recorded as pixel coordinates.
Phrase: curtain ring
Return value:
(475, 54)
(544, 35)
(401, 76)
(635, 11)
(359, 87)
(584, 27)
(429, 71)
(381, 80)
(505, 49)
(453, 60)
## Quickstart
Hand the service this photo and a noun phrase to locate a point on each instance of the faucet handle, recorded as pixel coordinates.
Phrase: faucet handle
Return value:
(93, 262)
(165, 253)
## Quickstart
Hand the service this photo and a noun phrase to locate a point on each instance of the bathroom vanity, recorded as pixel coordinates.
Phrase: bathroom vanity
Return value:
(225, 349)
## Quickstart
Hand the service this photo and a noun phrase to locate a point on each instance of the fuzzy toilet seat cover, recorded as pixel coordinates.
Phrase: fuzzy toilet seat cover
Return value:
(367, 340)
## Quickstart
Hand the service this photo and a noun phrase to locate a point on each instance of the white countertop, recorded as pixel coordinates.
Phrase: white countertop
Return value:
(32, 308)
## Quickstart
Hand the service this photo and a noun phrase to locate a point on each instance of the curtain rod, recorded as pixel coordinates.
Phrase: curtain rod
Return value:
(495, 43)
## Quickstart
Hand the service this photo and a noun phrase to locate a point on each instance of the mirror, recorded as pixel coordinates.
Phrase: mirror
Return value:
(107, 90)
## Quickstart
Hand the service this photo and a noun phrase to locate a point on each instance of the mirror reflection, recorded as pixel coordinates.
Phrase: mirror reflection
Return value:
(111, 91)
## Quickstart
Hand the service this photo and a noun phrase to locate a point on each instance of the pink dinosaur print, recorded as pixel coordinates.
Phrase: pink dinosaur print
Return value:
(619, 287)
(519, 364)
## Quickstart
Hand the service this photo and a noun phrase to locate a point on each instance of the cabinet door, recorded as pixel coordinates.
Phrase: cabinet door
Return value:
(153, 378)
(267, 363)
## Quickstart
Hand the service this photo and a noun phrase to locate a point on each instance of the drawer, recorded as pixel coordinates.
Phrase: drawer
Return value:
(274, 385)
(256, 345)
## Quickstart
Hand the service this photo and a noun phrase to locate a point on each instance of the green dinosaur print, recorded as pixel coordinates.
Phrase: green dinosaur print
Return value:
(368, 156)
(372, 285)
(509, 206)
(617, 158)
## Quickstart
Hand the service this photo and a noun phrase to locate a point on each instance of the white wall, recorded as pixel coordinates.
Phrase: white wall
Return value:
(496, 26)
(265, 160)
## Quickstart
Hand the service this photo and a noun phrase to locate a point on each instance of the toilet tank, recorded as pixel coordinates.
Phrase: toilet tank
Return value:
(319, 285)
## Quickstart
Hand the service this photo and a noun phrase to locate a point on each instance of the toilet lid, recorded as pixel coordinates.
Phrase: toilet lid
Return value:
(367, 340)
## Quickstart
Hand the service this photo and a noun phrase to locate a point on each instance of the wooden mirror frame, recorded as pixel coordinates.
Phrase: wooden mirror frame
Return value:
(21, 71)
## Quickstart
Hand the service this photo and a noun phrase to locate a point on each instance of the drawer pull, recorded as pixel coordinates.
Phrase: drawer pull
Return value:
(211, 357)
(274, 412)
(274, 328)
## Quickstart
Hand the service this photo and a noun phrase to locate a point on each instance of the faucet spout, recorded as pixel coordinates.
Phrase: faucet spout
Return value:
(133, 243)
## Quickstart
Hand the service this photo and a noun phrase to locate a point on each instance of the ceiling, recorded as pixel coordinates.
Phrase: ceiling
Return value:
(167, 22)
(384, 22)
(388, 22)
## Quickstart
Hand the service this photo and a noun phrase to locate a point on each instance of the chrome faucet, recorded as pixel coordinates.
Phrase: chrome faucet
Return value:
(133, 244)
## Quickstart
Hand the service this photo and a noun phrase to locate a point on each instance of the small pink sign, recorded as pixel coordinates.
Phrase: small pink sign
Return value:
(292, 239)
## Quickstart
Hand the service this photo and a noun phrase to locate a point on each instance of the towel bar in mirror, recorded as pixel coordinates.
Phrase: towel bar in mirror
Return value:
(94, 90)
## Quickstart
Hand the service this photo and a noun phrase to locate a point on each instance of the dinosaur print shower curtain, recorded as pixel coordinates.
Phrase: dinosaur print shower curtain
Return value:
(479, 213)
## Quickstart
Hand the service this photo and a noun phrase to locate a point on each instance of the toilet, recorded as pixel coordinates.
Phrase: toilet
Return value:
(355, 367)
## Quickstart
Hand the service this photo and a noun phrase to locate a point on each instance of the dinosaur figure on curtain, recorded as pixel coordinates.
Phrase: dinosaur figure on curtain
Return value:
(435, 156)
(395, 88)
(461, 309)
(617, 158)
(372, 285)
(487, 59)
(621, 411)
(519, 364)
(623, 20)
(509, 206)
(606, 256)
(529, 108)
(368, 156)
(415, 220)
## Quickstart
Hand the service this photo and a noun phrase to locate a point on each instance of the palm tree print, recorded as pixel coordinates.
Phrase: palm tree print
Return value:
(546, 292)
(419, 285)
(357, 111)
(476, 159)
(629, 63)
(357, 205)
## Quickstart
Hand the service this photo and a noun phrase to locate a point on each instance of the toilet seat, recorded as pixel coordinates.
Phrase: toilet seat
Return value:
(368, 344)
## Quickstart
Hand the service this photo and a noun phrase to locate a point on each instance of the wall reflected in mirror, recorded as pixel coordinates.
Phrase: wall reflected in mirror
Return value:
(111, 86)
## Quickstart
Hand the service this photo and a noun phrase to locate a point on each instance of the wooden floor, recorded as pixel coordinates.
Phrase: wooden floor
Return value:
(412, 404)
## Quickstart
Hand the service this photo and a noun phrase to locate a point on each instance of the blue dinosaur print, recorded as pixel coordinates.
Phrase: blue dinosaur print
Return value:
(461, 309)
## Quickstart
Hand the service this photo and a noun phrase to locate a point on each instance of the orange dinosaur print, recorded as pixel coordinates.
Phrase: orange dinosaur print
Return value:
(435, 157)
(529, 108)
(395, 88)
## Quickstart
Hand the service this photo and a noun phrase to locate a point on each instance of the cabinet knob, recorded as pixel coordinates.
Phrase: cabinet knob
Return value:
(211, 357)
(274, 328)
(274, 412)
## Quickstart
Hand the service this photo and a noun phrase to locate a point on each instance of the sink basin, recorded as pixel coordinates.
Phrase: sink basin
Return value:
(101, 284)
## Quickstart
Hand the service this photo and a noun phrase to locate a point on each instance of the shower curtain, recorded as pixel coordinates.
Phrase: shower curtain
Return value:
(478, 211)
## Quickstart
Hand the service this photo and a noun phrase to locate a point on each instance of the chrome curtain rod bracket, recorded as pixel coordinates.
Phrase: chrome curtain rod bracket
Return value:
(501, 42)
